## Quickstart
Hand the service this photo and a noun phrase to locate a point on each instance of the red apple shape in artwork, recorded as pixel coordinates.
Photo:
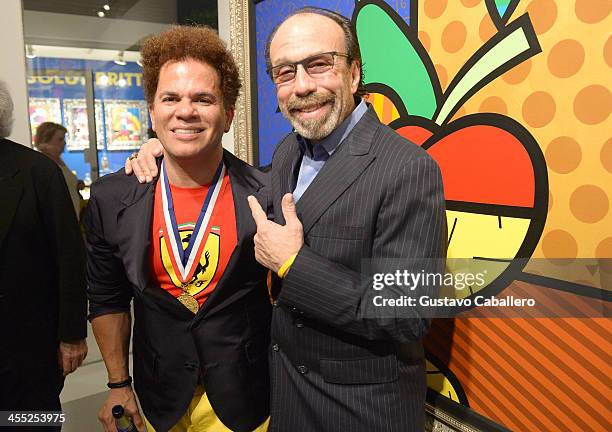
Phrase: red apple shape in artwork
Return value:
(415, 133)
(494, 178)
(481, 161)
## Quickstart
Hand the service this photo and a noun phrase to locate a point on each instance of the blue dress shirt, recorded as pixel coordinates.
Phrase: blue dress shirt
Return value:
(315, 155)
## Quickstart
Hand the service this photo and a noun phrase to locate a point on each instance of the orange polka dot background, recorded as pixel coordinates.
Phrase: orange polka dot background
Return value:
(606, 246)
(606, 155)
(494, 104)
(563, 155)
(559, 244)
(434, 8)
(589, 203)
(561, 95)
(543, 14)
(442, 75)
(453, 36)
(565, 58)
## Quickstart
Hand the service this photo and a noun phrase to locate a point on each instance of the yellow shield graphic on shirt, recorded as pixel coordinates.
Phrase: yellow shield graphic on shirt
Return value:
(206, 267)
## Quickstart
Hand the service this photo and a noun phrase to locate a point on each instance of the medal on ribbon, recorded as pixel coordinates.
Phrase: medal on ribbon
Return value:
(184, 261)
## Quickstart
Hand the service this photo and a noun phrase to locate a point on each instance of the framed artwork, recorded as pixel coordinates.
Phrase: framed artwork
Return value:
(445, 75)
(258, 125)
(126, 124)
(245, 140)
(75, 115)
(43, 110)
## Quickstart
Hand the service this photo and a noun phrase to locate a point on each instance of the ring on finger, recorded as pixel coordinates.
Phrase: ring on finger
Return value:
(133, 156)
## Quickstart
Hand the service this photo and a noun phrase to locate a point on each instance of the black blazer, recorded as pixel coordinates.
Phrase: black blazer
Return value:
(42, 270)
(335, 364)
(225, 343)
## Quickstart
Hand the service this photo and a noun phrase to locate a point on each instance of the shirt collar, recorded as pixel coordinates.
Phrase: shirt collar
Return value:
(328, 145)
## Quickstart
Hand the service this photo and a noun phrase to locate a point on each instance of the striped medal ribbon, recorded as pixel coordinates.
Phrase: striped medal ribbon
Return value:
(184, 261)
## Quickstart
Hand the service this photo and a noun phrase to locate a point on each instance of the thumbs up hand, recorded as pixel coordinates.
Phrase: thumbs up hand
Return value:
(275, 243)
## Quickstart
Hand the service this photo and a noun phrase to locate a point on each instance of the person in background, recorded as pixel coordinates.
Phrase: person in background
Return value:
(51, 140)
(43, 305)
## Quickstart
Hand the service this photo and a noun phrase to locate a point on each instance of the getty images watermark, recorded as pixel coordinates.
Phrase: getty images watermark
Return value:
(440, 288)
(460, 281)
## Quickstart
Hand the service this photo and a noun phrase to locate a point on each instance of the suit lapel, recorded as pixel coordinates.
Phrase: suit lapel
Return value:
(242, 186)
(10, 195)
(284, 178)
(343, 167)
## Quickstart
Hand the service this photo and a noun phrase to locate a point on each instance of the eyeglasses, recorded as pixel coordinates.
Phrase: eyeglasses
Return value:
(314, 65)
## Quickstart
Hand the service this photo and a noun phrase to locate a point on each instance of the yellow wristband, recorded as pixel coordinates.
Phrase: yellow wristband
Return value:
(282, 271)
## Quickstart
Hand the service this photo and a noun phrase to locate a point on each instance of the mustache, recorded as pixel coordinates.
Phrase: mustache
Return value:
(314, 99)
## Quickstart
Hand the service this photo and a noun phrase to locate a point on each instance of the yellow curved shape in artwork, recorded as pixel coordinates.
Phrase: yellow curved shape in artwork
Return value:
(482, 239)
(438, 382)
(384, 107)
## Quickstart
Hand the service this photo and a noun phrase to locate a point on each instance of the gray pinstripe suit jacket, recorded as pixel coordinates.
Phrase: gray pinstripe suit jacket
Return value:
(333, 366)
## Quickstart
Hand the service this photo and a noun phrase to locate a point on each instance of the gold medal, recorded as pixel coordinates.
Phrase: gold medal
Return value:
(189, 302)
(186, 260)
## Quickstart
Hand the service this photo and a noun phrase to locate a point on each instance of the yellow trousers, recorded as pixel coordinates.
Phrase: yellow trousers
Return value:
(200, 417)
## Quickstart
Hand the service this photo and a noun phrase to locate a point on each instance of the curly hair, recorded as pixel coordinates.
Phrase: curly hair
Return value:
(45, 132)
(179, 43)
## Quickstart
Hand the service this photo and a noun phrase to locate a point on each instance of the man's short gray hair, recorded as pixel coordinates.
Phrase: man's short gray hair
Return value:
(6, 111)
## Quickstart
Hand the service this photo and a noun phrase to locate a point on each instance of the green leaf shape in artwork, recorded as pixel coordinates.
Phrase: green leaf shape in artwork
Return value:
(393, 56)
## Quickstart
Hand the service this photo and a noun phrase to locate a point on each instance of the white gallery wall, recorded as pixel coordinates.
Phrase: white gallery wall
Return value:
(13, 69)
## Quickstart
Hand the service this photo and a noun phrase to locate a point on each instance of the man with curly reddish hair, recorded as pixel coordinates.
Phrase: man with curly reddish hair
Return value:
(181, 248)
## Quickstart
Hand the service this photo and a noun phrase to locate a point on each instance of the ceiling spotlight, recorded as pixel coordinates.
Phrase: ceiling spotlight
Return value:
(101, 14)
(106, 7)
(30, 52)
(119, 60)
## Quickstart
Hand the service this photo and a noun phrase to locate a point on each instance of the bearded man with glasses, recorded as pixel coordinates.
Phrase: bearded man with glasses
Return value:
(347, 190)
(361, 192)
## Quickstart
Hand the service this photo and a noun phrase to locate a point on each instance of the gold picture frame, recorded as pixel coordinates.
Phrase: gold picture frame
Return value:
(244, 143)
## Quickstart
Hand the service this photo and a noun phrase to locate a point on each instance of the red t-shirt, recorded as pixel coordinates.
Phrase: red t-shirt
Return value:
(219, 239)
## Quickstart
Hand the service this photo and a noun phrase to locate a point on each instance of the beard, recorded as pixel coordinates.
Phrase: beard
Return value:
(315, 128)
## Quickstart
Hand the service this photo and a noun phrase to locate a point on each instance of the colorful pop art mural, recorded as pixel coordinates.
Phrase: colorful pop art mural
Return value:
(512, 98)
